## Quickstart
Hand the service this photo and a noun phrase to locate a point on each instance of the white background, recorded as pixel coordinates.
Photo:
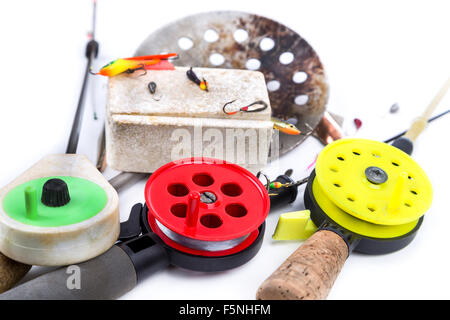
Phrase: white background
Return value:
(375, 53)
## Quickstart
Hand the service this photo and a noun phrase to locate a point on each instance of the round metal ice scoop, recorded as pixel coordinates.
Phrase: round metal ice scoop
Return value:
(230, 39)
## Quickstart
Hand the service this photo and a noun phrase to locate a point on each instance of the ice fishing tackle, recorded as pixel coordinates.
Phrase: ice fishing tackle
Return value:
(283, 190)
(130, 65)
(203, 84)
(152, 89)
(248, 108)
(285, 127)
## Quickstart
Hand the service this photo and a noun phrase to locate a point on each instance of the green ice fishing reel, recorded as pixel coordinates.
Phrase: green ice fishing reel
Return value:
(59, 212)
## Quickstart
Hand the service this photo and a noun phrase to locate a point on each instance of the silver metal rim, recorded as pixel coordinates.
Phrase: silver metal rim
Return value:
(211, 246)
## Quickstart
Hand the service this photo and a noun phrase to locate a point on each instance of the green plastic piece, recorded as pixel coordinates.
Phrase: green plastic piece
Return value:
(31, 202)
(23, 203)
(295, 225)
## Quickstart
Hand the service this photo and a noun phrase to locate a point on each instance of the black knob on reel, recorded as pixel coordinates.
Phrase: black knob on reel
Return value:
(55, 193)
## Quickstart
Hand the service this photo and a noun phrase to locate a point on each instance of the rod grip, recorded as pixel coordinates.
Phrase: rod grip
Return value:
(310, 272)
(11, 272)
(108, 276)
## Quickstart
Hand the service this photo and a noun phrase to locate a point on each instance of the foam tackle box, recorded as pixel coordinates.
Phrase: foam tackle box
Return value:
(146, 130)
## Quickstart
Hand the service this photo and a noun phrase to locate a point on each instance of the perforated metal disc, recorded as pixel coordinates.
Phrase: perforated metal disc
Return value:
(295, 76)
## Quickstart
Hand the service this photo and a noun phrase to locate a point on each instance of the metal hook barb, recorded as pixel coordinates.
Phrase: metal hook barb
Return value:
(226, 104)
(267, 179)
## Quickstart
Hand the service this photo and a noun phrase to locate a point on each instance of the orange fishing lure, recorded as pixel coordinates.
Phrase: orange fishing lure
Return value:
(130, 65)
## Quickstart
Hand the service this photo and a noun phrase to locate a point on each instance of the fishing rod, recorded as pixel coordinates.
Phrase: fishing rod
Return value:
(405, 142)
(54, 187)
(429, 121)
(377, 215)
(91, 53)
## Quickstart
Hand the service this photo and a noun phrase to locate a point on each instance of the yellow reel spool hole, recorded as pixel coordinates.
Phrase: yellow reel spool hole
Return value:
(373, 181)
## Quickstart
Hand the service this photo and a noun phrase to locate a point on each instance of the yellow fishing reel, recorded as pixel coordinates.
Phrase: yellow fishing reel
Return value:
(372, 190)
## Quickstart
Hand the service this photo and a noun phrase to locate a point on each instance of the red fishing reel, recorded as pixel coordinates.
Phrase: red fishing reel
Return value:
(206, 207)
(201, 214)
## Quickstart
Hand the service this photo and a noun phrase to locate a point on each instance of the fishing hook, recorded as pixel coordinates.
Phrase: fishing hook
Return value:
(142, 67)
(246, 108)
(267, 185)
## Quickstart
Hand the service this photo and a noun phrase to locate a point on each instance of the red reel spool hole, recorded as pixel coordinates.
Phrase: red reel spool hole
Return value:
(206, 206)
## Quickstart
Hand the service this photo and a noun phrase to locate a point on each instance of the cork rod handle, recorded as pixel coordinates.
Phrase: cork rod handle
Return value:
(11, 272)
(310, 272)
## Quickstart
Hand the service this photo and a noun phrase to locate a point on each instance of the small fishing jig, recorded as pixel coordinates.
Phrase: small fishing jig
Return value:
(270, 185)
(248, 108)
(130, 65)
(285, 127)
(278, 185)
(152, 89)
(394, 108)
(203, 84)
(358, 123)
(283, 190)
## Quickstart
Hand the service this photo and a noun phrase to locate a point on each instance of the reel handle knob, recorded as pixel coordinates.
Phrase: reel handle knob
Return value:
(55, 193)
(193, 208)
(310, 272)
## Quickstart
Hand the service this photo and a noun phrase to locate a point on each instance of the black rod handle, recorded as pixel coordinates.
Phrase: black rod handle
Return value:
(108, 276)
(147, 254)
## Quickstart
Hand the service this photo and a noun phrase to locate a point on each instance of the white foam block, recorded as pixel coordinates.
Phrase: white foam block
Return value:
(143, 134)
